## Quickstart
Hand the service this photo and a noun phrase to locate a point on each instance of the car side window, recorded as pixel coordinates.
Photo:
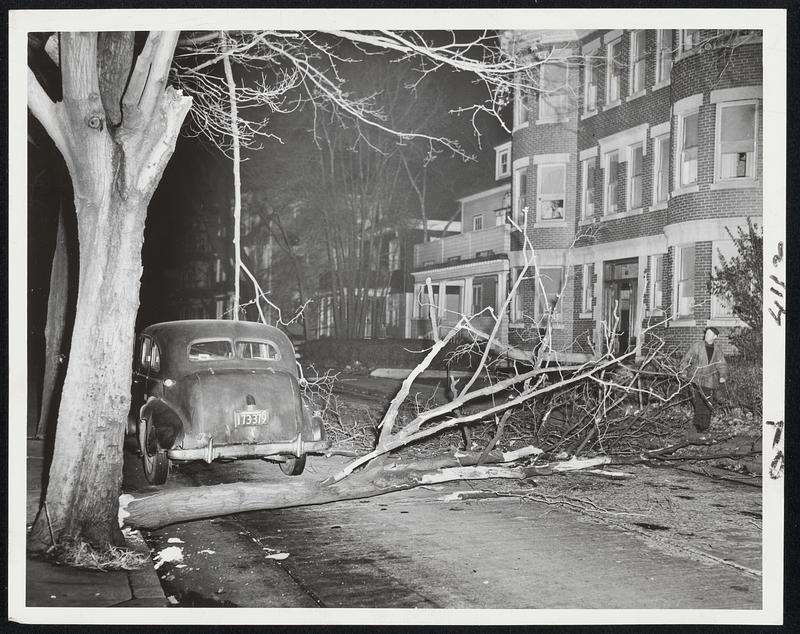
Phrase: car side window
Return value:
(210, 350)
(155, 358)
(259, 350)
(144, 353)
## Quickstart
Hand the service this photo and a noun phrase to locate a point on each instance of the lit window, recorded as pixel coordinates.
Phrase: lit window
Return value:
(684, 306)
(520, 193)
(721, 306)
(663, 55)
(687, 173)
(661, 159)
(612, 182)
(586, 302)
(587, 187)
(656, 282)
(477, 222)
(548, 292)
(736, 134)
(589, 85)
(638, 59)
(551, 185)
(689, 38)
(635, 176)
(553, 93)
(520, 107)
(613, 71)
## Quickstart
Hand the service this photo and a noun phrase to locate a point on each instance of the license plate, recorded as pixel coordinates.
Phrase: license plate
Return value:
(252, 417)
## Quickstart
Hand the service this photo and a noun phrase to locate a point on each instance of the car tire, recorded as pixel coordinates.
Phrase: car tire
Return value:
(293, 466)
(156, 465)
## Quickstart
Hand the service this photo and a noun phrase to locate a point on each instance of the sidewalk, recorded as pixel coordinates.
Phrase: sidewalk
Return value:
(50, 585)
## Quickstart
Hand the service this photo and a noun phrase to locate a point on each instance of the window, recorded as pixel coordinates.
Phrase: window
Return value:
(587, 295)
(144, 352)
(155, 358)
(553, 93)
(587, 187)
(663, 55)
(661, 160)
(520, 192)
(736, 141)
(689, 38)
(477, 222)
(684, 304)
(477, 298)
(423, 303)
(613, 71)
(452, 300)
(548, 291)
(209, 350)
(502, 161)
(260, 350)
(656, 282)
(612, 182)
(722, 307)
(589, 85)
(638, 59)
(635, 175)
(219, 271)
(551, 185)
(687, 173)
(520, 107)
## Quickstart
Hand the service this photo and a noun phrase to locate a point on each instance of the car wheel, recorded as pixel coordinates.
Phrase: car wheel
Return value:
(155, 463)
(293, 466)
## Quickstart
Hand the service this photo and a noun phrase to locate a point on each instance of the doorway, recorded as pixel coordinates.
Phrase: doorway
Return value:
(620, 279)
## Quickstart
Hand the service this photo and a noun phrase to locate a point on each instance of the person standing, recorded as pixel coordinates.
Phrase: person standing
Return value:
(705, 367)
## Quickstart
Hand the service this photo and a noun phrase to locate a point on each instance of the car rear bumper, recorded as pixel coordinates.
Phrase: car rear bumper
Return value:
(296, 447)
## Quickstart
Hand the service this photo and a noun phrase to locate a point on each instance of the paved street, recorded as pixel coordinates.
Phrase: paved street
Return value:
(418, 549)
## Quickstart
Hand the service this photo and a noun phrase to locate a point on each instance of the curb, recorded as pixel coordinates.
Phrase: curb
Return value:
(146, 590)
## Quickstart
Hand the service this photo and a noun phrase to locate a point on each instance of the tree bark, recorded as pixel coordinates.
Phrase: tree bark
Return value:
(114, 172)
(151, 511)
(57, 328)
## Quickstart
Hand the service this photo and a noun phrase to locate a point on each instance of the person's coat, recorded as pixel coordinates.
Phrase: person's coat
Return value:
(698, 369)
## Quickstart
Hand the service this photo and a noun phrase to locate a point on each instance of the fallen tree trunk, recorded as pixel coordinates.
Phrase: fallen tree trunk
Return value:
(181, 505)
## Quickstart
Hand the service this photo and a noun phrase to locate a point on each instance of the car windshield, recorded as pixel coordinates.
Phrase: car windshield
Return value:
(261, 350)
(210, 350)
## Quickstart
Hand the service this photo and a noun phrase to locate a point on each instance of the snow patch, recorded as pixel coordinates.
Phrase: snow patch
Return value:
(175, 540)
(206, 552)
(455, 496)
(168, 554)
(122, 513)
(278, 556)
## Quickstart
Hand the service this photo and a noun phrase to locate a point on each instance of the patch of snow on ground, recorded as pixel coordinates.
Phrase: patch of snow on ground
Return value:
(169, 554)
(206, 552)
(278, 556)
(175, 540)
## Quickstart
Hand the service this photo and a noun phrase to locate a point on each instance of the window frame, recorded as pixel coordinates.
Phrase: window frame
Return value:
(518, 201)
(680, 257)
(557, 111)
(663, 52)
(607, 209)
(751, 175)
(587, 291)
(589, 73)
(638, 60)
(521, 108)
(611, 50)
(679, 182)
(659, 142)
(562, 193)
(477, 219)
(558, 312)
(656, 283)
(694, 41)
(585, 165)
(630, 177)
(500, 152)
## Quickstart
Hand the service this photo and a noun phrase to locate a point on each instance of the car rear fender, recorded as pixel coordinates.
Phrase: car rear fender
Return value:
(166, 421)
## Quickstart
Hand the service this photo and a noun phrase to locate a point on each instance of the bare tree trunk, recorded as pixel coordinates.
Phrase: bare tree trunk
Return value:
(56, 330)
(116, 151)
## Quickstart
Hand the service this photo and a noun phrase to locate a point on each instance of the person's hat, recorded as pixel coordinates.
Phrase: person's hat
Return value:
(712, 329)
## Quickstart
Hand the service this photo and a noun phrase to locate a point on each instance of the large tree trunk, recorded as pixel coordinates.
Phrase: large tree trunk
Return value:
(116, 131)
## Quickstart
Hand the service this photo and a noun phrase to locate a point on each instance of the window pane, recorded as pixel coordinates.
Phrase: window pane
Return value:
(663, 169)
(690, 131)
(262, 350)
(552, 179)
(210, 350)
(452, 300)
(548, 286)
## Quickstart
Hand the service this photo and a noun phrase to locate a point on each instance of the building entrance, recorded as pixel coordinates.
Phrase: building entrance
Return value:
(619, 302)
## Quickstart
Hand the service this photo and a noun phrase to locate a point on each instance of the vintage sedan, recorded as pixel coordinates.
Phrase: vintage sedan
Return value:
(208, 389)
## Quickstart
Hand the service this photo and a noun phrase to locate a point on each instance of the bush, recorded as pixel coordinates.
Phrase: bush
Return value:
(744, 385)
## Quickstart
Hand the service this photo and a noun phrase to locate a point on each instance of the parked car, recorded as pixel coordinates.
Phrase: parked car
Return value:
(209, 389)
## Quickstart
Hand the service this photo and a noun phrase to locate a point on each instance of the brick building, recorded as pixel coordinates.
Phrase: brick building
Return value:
(634, 153)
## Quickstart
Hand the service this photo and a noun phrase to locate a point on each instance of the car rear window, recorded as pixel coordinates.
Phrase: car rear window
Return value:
(210, 350)
(261, 350)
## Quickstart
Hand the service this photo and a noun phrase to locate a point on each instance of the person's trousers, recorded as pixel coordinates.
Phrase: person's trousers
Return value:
(702, 410)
